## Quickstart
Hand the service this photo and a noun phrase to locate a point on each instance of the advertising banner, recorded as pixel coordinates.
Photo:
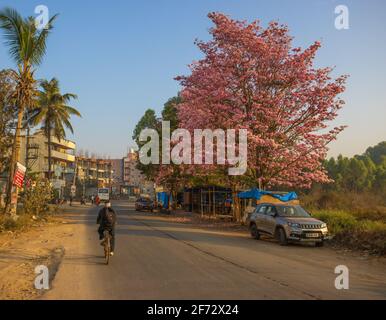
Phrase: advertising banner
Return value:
(18, 178)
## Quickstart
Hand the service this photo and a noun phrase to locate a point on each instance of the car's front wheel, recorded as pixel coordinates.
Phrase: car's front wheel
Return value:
(255, 232)
(282, 237)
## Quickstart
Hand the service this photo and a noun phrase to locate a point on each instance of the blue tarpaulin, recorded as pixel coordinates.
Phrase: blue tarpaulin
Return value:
(163, 199)
(257, 194)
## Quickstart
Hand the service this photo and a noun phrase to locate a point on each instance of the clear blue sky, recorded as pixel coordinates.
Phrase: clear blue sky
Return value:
(121, 56)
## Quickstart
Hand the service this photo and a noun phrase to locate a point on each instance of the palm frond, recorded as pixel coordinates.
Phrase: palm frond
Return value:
(72, 111)
(68, 125)
(13, 25)
(40, 41)
(27, 44)
(69, 96)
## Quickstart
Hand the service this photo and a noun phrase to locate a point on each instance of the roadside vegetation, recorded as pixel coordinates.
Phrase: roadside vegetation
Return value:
(26, 219)
(354, 204)
(34, 209)
(355, 232)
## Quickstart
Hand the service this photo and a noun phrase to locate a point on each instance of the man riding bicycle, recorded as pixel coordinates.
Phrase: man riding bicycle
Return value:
(107, 219)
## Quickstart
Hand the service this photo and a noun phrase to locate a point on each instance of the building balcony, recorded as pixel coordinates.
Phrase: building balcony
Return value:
(63, 143)
(62, 156)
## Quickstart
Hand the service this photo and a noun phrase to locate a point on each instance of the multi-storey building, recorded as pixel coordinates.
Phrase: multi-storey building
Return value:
(117, 167)
(134, 182)
(93, 173)
(34, 155)
(87, 174)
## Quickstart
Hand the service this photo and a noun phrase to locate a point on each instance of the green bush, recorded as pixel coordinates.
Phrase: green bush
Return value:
(35, 207)
(372, 213)
(355, 232)
(337, 220)
(37, 197)
(371, 226)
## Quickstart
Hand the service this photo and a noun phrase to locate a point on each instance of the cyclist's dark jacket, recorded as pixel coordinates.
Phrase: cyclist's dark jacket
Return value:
(102, 219)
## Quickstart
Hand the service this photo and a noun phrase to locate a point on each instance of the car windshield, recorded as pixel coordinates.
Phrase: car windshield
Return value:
(292, 211)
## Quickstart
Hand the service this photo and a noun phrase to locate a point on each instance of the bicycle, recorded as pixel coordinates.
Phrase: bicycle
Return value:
(107, 245)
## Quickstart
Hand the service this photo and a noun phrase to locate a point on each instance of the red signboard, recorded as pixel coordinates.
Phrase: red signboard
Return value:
(18, 178)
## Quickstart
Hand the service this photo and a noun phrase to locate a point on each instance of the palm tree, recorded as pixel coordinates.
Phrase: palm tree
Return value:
(27, 47)
(53, 113)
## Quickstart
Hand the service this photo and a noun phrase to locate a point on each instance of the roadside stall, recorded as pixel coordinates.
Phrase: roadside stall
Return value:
(209, 200)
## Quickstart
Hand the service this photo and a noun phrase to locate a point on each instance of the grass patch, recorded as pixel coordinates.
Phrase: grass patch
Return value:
(337, 220)
(355, 231)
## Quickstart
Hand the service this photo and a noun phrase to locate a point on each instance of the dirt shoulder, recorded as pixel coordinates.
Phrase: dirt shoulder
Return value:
(21, 252)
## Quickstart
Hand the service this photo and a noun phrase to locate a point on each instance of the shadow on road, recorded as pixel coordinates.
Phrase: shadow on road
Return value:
(85, 259)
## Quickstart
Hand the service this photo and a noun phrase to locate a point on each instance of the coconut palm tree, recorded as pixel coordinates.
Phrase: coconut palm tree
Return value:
(54, 113)
(27, 47)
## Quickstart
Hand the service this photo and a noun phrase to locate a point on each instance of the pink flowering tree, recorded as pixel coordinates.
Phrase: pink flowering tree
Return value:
(252, 78)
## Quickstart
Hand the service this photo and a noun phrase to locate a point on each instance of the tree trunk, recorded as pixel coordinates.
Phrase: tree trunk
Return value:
(236, 204)
(201, 204)
(49, 154)
(209, 202)
(173, 193)
(13, 192)
(214, 201)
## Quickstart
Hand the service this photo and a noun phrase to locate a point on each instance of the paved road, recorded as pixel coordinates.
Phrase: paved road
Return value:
(157, 259)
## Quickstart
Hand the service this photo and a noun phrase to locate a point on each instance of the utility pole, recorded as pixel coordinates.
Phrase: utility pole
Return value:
(74, 179)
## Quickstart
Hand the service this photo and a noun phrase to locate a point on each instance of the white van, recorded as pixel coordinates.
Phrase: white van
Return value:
(104, 194)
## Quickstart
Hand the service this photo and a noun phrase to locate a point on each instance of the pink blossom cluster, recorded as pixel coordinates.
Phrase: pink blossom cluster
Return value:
(252, 78)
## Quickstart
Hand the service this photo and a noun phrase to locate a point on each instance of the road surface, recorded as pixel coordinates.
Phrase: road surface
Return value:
(157, 259)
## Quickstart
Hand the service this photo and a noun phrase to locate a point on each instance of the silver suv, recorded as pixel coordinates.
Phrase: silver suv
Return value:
(287, 223)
